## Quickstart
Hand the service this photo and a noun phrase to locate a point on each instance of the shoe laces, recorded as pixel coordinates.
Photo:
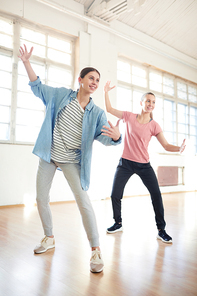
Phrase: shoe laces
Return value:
(96, 253)
(44, 240)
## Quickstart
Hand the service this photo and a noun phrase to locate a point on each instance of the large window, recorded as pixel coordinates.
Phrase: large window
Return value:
(176, 99)
(21, 113)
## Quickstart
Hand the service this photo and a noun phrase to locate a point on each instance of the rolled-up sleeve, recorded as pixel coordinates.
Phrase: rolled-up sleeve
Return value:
(42, 91)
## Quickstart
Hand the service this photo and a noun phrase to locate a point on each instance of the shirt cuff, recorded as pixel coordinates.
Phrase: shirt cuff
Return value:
(33, 83)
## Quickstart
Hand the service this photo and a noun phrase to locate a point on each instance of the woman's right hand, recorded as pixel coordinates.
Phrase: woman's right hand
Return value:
(107, 86)
(24, 54)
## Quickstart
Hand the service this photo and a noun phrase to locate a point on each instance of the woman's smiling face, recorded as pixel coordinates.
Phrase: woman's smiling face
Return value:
(148, 103)
(90, 82)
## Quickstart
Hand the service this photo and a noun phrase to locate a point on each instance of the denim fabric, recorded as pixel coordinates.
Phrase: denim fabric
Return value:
(94, 118)
(125, 169)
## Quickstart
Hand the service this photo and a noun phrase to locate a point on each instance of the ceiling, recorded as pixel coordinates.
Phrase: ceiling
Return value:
(173, 22)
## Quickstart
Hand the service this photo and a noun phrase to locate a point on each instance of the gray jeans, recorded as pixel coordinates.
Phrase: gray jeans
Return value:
(71, 171)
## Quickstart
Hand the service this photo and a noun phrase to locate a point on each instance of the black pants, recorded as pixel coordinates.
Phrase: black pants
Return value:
(124, 171)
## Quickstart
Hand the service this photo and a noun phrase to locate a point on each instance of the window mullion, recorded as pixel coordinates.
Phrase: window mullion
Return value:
(16, 45)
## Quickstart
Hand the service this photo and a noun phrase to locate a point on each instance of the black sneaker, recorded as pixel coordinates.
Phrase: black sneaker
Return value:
(116, 227)
(162, 235)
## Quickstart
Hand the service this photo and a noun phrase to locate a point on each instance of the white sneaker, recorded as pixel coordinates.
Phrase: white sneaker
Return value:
(45, 244)
(96, 262)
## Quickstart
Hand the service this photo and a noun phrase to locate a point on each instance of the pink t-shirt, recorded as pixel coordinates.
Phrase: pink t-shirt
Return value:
(137, 137)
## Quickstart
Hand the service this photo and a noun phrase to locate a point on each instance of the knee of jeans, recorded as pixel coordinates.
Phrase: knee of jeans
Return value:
(41, 200)
(116, 197)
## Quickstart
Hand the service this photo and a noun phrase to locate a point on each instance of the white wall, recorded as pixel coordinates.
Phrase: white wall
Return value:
(99, 48)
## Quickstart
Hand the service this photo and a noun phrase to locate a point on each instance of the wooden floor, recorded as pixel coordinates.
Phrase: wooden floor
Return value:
(136, 263)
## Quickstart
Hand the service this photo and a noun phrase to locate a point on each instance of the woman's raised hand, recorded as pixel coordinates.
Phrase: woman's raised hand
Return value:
(182, 148)
(24, 54)
(107, 86)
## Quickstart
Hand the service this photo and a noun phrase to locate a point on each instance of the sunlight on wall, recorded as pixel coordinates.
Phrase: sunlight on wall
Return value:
(29, 202)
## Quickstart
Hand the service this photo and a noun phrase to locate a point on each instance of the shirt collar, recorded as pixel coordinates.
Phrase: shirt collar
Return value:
(89, 105)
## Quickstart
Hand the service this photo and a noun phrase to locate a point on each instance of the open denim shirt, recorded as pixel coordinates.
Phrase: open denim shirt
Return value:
(93, 120)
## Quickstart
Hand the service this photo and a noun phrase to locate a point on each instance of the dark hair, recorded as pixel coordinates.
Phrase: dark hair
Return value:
(148, 93)
(86, 70)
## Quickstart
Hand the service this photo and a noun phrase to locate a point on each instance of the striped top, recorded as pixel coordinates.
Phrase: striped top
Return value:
(67, 133)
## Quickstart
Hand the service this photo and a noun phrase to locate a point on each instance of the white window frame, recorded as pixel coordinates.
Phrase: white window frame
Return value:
(14, 52)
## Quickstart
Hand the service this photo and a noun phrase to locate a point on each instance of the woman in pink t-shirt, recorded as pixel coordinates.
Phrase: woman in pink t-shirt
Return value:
(135, 159)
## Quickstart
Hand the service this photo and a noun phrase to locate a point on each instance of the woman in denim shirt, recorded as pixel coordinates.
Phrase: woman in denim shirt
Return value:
(72, 122)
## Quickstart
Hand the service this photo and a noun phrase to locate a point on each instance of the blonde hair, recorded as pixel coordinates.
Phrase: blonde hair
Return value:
(143, 97)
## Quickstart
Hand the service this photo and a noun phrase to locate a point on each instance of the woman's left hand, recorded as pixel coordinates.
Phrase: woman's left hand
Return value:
(182, 148)
(112, 131)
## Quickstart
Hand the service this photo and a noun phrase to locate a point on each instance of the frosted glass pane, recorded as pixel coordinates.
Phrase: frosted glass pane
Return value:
(182, 95)
(5, 97)
(27, 133)
(182, 128)
(182, 118)
(60, 76)
(169, 125)
(123, 99)
(155, 77)
(23, 83)
(139, 81)
(124, 66)
(168, 81)
(193, 98)
(181, 86)
(59, 44)
(138, 72)
(193, 120)
(6, 40)
(33, 36)
(4, 114)
(5, 63)
(155, 86)
(5, 79)
(38, 50)
(6, 27)
(38, 69)
(168, 90)
(4, 131)
(192, 90)
(29, 101)
(182, 108)
(193, 140)
(169, 105)
(29, 117)
(193, 111)
(158, 103)
(193, 130)
(170, 137)
(60, 57)
(124, 76)
(136, 101)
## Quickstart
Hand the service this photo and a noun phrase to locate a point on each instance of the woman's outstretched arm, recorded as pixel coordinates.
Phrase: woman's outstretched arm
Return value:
(109, 108)
(25, 56)
(168, 147)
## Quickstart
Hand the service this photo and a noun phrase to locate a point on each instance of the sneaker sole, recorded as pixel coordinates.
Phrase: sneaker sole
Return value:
(96, 271)
(167, 242)
(120, 229)
(40, 252)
